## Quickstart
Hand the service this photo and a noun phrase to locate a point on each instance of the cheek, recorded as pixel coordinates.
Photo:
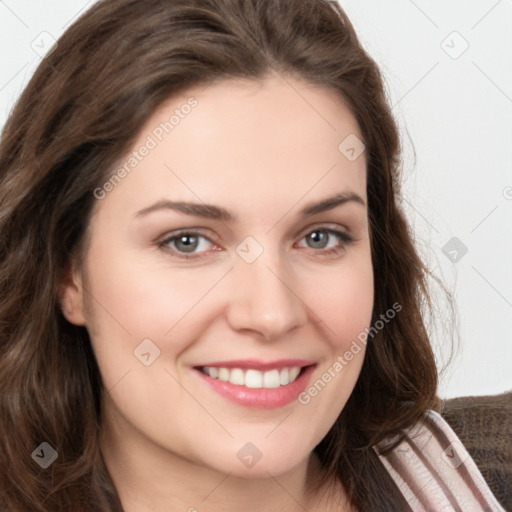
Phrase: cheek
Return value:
(128, 301)
(147, 300)
(343, 300)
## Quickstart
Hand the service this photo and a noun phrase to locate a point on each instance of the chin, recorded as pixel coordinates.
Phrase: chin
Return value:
(250, 462)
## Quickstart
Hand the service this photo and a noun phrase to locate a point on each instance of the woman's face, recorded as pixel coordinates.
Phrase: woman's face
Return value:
(235, 244)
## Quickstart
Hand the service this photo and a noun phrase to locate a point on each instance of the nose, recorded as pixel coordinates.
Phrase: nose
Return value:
(266, 298)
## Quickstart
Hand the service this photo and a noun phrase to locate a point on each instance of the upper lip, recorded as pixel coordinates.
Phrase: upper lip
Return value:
(255, 364)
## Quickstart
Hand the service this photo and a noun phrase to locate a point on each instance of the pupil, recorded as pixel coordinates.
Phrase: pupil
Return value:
(318, 238)
(187, 243)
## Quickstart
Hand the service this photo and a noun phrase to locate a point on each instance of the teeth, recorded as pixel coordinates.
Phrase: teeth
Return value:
(293, 373)
(271, 379)
(236, 376)
(254, 378)
(223, 374)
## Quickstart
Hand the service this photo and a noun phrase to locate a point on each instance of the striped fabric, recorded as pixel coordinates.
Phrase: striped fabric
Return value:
(435, 473)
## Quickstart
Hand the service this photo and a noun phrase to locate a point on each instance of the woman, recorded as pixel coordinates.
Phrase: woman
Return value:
(210, 297)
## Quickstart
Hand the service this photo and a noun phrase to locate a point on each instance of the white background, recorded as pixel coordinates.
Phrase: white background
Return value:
(455, 112)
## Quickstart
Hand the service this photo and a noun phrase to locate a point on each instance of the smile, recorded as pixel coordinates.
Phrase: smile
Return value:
(257, 385)
(254, 378)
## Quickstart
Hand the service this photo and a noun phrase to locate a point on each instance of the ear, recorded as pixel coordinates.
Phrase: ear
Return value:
(72, 295)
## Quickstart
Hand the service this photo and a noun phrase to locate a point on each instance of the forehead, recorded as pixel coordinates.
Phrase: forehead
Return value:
(267, 141)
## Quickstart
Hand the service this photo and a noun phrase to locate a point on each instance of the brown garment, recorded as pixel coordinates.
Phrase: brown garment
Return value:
(484, 425)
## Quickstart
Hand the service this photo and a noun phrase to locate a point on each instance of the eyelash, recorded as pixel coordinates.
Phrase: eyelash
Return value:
(345, 238)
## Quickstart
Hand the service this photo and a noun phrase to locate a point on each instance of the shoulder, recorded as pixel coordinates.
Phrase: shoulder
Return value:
(484, 425)
(434, 471)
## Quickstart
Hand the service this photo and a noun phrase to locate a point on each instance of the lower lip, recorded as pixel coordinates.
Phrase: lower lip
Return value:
(261, 398)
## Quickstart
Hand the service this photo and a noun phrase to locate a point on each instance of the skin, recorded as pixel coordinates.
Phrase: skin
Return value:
(262, 150)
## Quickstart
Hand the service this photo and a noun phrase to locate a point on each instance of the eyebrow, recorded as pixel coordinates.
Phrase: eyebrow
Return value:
(209, 211)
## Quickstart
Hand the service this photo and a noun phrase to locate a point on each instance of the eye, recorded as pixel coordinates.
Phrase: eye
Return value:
(186, 243)
(327, 241)
(191, 244)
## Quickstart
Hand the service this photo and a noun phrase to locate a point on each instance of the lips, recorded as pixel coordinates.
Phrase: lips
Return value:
(253, 383)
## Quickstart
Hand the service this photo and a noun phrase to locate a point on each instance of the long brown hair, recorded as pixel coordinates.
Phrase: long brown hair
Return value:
(79, 114)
